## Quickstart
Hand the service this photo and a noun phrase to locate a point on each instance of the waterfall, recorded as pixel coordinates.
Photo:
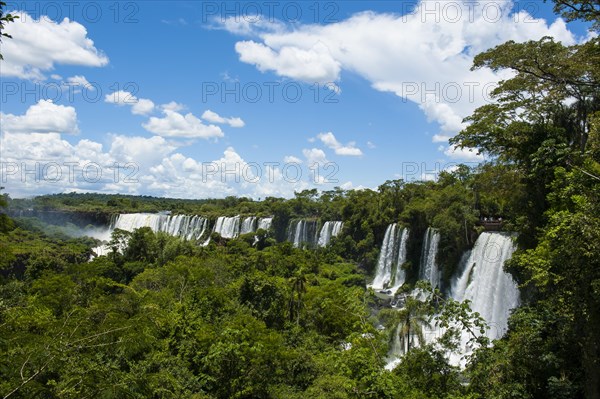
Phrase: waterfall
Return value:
(227, 227)
(389, 272)
(329, 230)
(400, 276)
(492, 292)
(248, 225)
(429, 270)
(185, 226)
(265, 223)
(302, 233)
(190, 227)
(383, 274)
(480, 279)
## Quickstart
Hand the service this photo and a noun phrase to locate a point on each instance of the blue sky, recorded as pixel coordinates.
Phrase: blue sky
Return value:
(208, 99)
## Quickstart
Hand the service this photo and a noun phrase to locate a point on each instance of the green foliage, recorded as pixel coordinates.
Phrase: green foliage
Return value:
(5, 19)
(160, 317)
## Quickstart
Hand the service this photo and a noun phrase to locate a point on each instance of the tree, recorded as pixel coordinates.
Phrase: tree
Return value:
(298, 284)
(586, 10)
(6, 223)
(410, 322)
(5, 19)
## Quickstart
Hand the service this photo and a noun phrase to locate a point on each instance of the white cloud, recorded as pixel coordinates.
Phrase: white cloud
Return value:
(34, 146)
(440, 138)
(149, 166)
(347, 185)
(174, 124)
(141, 151)
(463, 154)
(313, 64)
(80, 80)
(139, 106)
(330, 141)
(315, 156)
(292, 159)
(43, 117)
(142, 107)
(213, 117)
(422, 57)
(39, 44)
(173, 106)
(248, 26)
(371, 145)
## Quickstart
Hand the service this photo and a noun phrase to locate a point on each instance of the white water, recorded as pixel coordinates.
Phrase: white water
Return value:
(429, 270)
(389, 272)
(481, 280)
(227, 227)
(400, 276)
(302, 233)
(492, 292)
(383, 273)
(184, 226)
(248, 225)
(265, 223)
(329, 230)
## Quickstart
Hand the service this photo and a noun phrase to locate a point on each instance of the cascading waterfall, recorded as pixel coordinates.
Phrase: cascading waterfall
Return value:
(400, 276)
(265, 223)
(184, 226)
(429, 270)
(383, 273)
(481, 280)
(302, 233)
(248, 225)
(492, 292)
(227, 227)
(389, 272)
(190, 227)
(329, 230)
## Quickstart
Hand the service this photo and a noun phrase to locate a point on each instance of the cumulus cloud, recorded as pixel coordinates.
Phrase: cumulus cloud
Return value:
(139, 106)
(43, 117)
(38, 163)
(174, 124)
(345, 150)
(213, 117)
(140, 150)
(80, 81)
(292, 159)
(422, 56)
(440, 138)
(312, 64)
(173, 106)
(466, 154)
(39, 44)
(247, 26)
(315, 156)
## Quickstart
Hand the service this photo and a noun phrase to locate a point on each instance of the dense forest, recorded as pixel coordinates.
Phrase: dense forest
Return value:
(254, 317)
